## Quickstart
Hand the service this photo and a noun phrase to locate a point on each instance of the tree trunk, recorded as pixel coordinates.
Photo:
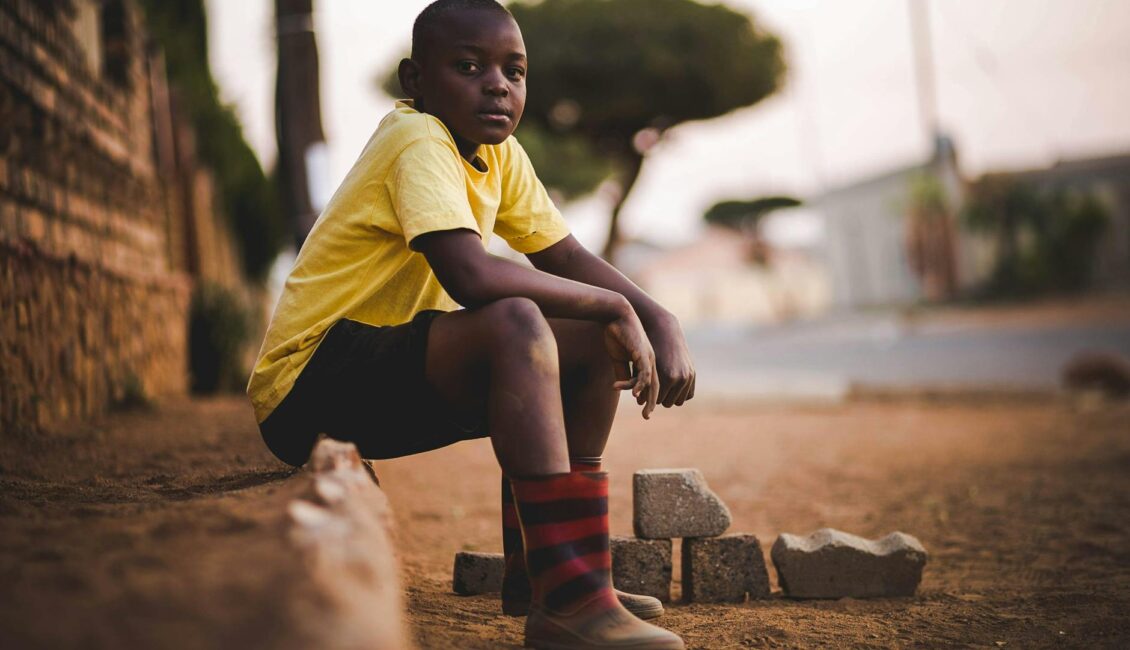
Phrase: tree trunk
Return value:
(631, 163)
(298, 112)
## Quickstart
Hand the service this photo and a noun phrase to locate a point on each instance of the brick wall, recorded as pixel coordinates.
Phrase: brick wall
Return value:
(94, 243)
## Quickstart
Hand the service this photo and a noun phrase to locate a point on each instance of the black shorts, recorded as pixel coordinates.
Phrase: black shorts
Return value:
(366, 385)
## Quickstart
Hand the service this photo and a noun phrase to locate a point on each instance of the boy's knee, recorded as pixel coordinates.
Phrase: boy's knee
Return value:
(517, 319)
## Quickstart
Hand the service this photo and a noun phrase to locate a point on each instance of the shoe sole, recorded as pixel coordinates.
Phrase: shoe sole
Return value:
(643, 613)
(548, 645)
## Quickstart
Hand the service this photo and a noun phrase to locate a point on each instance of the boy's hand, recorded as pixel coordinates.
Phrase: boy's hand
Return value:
(626, 341)
(673, 361)
(674, 376)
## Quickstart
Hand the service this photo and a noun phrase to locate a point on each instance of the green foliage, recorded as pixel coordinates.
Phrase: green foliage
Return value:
(744, 215)
(245, 194)
(564, 162)
(218, 327)
(1046, 241)
(627, 65)
(928, 196)
(131, 395)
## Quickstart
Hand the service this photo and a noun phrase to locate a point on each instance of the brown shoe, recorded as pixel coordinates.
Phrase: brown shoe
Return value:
(564, 521)
(594, 625)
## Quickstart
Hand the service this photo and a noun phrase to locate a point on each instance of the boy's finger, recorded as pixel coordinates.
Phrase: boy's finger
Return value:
(642, 385)
(666, 391)
(652, 393)
(683, 394)
(622, 370)
(624, 384)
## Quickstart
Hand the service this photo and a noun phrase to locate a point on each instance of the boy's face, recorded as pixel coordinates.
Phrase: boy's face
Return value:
(472, 77)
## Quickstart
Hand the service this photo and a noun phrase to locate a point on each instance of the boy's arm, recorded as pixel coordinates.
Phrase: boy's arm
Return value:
(473, 278)
(569, 259)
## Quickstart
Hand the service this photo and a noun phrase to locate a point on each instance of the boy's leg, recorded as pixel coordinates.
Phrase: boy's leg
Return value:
(501, 361)
(589, 404)
(588, 399)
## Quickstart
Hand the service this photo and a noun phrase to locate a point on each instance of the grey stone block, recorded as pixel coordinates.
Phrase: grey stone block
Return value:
(477, 573)
(676, 503)
(642, 566)
(723, 569)
(833, 564)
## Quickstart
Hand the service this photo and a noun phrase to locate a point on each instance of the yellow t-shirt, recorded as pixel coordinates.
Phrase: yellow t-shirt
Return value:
(356, 262)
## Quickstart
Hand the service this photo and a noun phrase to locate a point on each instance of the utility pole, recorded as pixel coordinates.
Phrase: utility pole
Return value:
(924, 68)
(298, 116)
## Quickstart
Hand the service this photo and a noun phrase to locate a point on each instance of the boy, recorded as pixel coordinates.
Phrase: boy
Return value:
(367, 343)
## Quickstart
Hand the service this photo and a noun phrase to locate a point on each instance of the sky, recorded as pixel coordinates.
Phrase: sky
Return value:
(1018, 85)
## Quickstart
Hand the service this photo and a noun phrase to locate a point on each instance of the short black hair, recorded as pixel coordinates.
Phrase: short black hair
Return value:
(434, 13)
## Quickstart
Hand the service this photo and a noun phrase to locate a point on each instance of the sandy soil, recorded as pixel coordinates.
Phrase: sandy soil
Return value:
(130, 533)
(1023, 507)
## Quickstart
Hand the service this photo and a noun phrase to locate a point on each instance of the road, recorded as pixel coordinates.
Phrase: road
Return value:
(825, 358)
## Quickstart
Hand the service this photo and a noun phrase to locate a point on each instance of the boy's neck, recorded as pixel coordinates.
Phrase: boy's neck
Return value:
(467, 149)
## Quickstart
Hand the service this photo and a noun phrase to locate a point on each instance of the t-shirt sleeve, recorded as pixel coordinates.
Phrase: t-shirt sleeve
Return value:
(427, 190)
(527, 218)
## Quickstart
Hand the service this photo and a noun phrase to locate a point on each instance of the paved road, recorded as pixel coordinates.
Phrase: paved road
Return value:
(823, 359)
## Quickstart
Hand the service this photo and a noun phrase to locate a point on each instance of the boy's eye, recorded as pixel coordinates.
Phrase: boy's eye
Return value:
(467, 66)
(516, 73)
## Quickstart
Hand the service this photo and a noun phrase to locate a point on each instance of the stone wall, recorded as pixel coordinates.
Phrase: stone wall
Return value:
(94, 240)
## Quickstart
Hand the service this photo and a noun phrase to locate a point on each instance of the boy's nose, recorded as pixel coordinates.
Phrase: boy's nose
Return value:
(496, 84)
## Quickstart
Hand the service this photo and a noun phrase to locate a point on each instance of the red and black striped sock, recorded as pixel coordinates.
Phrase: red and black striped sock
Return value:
(564, 520)
(516, 583)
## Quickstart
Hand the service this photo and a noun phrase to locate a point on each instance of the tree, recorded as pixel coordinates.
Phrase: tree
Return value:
(609, 77)
(1046, 239)
(245, 193)
(298, 110)
(621, 73)
(929, 237)
(744, 215)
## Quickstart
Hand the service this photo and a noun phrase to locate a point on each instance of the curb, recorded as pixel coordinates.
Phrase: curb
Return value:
(339, 527)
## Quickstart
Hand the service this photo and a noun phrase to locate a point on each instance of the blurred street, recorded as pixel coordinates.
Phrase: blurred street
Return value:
(1009, 349)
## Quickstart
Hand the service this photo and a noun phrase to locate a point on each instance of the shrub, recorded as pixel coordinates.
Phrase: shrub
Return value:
(218, 327)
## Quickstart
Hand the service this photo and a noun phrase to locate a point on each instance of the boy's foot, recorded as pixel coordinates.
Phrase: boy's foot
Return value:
(564, 523)
(605, 627)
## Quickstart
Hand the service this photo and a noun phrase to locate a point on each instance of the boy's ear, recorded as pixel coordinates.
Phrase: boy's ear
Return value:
(409, 74)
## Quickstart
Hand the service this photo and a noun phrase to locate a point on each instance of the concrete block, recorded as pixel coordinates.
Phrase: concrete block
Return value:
(676, 503)
(477, 573)
(723, 569)
(642, 566)
(833, 564)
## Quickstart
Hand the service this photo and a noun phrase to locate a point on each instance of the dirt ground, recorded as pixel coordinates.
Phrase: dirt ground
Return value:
(142, 530)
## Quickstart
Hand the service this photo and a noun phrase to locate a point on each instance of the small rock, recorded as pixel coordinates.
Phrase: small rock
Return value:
(642, 566)
(833, 564)
(724, 569)
(676, 503)
(1105, 374)
(477, 573)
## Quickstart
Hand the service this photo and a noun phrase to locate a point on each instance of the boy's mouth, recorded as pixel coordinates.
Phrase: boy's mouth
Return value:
(495, 116)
